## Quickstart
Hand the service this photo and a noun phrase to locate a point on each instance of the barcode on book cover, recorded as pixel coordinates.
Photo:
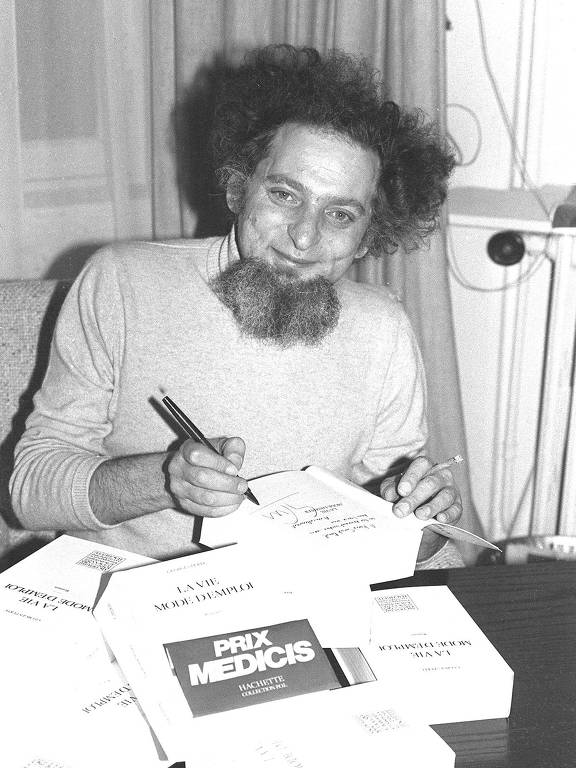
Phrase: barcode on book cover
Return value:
(382, 720)
(277, 754)
(101, 561)
(389, 603)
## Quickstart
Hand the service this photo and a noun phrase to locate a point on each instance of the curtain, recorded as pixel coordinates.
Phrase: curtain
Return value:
(113, 102)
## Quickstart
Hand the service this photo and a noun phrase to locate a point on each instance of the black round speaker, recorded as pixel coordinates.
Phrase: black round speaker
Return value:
(506, 248)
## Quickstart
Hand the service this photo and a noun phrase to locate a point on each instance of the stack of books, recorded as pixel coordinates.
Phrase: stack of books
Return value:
(246, 654)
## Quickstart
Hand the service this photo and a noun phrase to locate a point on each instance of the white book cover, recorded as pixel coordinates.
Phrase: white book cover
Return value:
(435, 659)
(355, 726)
(62, 709)
(60, 581)
(144, 612)
(60, 688)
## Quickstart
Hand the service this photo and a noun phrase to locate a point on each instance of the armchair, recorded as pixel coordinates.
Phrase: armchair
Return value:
(28, 312)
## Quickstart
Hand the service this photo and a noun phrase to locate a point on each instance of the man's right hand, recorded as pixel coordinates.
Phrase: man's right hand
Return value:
(205, 483)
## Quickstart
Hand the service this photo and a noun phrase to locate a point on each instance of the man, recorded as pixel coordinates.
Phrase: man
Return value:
(258, 334)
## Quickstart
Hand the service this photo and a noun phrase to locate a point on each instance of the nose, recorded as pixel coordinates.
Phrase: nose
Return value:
(304, 231)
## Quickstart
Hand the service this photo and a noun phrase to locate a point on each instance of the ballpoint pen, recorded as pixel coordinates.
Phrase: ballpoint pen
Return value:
(192, 430)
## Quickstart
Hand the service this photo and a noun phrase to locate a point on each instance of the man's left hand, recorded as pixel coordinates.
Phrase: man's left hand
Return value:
(427, 493)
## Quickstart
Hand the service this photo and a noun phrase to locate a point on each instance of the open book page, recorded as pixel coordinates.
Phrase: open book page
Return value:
(337, 729)
(318, 504)
(144, 613)
(384, 508)
(423, 639)
(334, 521)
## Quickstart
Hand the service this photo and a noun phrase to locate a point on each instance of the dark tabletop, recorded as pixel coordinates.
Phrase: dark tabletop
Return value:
(529, 613)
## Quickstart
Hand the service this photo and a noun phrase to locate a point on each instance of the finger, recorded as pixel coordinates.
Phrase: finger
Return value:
(197, 454)
(202, 500)
(203, 511)
(234, 448)
(442, 501)
(213, 480)
(388, 489)
(451, 515)
(425, 489)
(413, 474)
(186, 466)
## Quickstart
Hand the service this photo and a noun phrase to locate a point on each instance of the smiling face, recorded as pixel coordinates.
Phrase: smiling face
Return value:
(307, 207)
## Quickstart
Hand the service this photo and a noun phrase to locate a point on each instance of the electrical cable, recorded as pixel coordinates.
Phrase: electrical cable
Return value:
(517, 156)
(459, 277)
(460, 158)
(455, 148)
(520, 163)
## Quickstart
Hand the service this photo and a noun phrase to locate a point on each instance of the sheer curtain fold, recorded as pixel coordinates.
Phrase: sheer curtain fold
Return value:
(165, 197)
(415, 76)
(11, 193)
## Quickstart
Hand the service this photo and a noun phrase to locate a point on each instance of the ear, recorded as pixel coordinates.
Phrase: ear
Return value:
(235, 191)
(364, 247)
(362, 251)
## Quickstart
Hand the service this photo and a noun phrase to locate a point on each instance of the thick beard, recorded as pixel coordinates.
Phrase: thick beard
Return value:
(276, 306)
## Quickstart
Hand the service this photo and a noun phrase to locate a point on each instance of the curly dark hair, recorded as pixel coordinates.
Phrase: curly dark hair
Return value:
(281, 84)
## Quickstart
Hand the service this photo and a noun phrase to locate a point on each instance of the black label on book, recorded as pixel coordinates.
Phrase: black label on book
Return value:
(250, 666)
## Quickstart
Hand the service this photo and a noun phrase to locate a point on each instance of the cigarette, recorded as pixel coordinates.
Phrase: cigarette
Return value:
(446, 464)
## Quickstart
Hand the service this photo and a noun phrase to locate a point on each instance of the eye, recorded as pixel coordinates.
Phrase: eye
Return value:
(282, 196)
(341, 217)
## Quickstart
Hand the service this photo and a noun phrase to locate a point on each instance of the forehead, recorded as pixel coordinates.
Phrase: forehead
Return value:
(326, 164)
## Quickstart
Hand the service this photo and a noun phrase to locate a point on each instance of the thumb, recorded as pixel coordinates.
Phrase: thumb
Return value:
(233, 448)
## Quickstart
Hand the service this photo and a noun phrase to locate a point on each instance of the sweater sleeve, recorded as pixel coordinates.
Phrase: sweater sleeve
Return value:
(63, 441)
(400, 429)
(447, 556)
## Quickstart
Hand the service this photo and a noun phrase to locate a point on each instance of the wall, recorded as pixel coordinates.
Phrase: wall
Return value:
(500, 312)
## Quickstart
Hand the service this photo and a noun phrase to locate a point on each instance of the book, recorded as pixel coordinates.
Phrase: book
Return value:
(358, 725)
(335, 520)
(61, 689)
(60, 581)
(61, 709)
(146, 611)
(435, 658)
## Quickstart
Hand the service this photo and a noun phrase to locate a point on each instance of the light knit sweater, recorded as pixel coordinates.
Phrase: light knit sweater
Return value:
(141, 318)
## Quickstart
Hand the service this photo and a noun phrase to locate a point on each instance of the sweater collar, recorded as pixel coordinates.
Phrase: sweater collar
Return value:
(222, 254)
